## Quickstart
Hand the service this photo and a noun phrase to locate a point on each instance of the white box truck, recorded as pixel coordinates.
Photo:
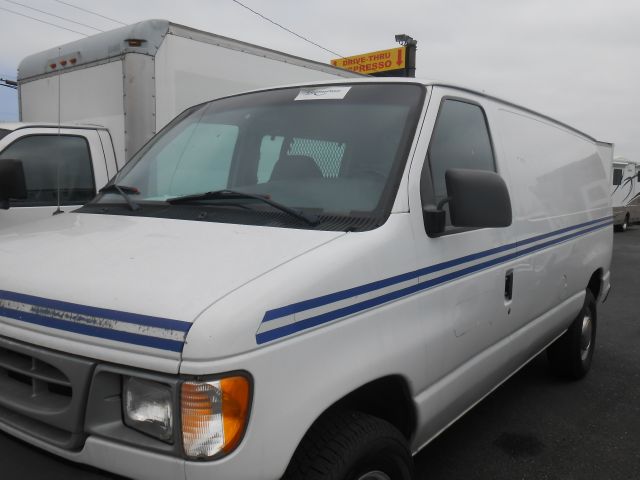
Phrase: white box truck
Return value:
(625, 193)
(308, 282)
(113, 91)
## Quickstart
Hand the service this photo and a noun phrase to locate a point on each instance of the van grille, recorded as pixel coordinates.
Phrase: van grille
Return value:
(38, 378)
(43, 393)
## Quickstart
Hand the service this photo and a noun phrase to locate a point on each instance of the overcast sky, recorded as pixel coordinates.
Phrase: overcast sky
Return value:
(577, 61)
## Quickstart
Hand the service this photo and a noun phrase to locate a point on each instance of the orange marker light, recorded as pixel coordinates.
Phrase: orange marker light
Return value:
(235, 410)
(214, 415)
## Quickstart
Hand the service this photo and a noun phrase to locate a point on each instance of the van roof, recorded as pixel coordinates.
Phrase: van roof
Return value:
(435, 83)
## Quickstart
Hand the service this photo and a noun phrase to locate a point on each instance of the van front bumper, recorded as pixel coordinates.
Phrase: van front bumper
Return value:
(71, 407)
(112, 457)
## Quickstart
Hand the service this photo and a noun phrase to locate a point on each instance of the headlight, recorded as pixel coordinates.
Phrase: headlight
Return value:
(214, 415)
(148, 407)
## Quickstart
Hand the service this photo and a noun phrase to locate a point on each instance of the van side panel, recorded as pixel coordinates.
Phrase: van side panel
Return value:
(563, 194)
(466, 318)
(552, 165)
(87, 95)
(557, 180)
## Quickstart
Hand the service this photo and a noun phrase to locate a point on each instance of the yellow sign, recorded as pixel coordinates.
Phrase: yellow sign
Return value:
(373, 62)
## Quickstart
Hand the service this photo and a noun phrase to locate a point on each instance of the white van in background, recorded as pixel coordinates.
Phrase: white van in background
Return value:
(305, 282)
(625, 193)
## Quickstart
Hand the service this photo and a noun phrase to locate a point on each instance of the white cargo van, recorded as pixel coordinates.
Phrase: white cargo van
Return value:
(119, 88)
(307, 282)
(625, 193)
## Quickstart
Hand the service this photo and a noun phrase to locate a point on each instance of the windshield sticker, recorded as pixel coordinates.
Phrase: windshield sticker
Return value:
(323, 93)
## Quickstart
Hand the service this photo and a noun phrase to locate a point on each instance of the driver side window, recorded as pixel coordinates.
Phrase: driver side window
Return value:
(460, 139)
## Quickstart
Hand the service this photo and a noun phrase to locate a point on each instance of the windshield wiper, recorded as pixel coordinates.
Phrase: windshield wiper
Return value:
(221, 194)
(123, 190)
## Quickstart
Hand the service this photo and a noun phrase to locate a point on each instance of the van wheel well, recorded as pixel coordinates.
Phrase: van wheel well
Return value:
(595, 283)
(387, 398)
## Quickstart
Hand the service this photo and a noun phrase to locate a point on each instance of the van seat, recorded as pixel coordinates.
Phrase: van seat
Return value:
(295, 166)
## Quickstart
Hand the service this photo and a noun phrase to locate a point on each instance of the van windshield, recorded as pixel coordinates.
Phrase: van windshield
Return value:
(333, 151)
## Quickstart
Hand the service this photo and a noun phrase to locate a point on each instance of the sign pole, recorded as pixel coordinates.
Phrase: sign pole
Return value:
(410, 68)
(410, 44)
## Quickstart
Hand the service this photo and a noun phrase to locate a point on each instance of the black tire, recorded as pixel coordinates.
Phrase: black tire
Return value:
(624, 225)
(348, 445)
(571, 355)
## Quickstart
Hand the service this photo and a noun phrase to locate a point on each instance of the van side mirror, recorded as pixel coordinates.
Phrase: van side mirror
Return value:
(639, 176)
(476, 198)
(12, 182)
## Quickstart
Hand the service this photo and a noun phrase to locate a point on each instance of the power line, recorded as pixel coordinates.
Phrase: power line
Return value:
(43, 21)
(284, 28)
(8, 83)
(89, 11)
(54, 15)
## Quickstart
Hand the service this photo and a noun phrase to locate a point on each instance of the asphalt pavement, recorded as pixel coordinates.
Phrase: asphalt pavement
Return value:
(533, 427)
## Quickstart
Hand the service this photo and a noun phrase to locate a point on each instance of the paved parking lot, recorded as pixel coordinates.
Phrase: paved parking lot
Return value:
(533, 427)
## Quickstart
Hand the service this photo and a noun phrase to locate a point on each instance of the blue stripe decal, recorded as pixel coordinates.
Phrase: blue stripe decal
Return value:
(133, 318)
(377, 285)
(286, 330)
(93, 331)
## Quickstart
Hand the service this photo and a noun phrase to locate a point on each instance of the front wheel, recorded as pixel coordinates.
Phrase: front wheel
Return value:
(350, 445)
(571, 355)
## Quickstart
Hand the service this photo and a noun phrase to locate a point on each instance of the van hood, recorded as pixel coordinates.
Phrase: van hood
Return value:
(129, 284)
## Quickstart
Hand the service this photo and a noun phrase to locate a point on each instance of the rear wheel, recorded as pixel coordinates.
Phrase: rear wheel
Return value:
(571, 355)
(624, 225)
(350, 445)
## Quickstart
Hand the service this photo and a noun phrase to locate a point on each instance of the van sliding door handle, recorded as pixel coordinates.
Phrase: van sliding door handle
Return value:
(508, 285)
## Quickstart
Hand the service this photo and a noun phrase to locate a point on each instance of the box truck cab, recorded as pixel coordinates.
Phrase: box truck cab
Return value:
(305, 282)
(64, 167)
(625, 193)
